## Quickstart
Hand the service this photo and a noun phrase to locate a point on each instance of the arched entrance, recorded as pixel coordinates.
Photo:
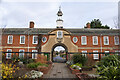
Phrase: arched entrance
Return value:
(58, 55)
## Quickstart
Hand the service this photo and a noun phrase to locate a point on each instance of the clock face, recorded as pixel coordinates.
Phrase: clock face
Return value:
(44, 39)
(75, 39)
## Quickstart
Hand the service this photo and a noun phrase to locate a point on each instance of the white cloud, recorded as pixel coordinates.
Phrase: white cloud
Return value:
(44, 13)
(60, 0)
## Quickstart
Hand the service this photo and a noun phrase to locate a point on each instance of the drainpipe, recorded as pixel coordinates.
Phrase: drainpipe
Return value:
(28, 40)
(100, 44)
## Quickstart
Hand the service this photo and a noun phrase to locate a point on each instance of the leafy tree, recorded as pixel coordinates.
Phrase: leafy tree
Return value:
(96, 23)
(109, 68)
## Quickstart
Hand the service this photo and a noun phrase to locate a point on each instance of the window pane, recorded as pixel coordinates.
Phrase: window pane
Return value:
(8, 56)
(84, 40)
(34, 55)
(22, 38)
(83, 53)
(44, 39)
(116, 40)
(59, 34)
(95, 40)
(35, 39)
(21, 55)
(95, 56)
(10, 39)
(106, 40)
(75, 39)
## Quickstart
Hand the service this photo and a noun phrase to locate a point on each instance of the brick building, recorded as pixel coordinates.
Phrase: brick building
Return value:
(42, 40)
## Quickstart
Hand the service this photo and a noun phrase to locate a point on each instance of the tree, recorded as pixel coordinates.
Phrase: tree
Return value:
(109, 68)
(96, 23)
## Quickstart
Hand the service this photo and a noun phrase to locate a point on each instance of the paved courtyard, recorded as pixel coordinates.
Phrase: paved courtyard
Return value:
(59, 70)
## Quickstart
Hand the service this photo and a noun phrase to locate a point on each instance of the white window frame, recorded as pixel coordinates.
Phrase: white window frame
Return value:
(8, 54)
(34, 41)
(74, 39)
(61, 36)
(107, 39)
(83, 53)
(117, 51)
(34, 54)
(107, 52)
(21, 53)
(94, 40)
(45, 40)
(82, 40)
(9, 38)
(117, 40)
(94, 55)
(24, 39)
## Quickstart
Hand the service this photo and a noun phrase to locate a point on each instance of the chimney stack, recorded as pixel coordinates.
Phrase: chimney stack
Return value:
(31, 24)
(88, 25)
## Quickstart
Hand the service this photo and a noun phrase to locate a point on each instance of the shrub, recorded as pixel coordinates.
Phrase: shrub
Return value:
(15, 58)
(35, 65)
(8, 70)
(78, 58)
(27, 61)
(109, 67)
(32, 65)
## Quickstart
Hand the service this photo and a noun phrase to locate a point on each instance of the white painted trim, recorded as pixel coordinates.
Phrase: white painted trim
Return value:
(82, 40)
(61, 34)
(45, 40)
(95, 56)
(9, 38)
(84, 52)
(93, 38)
(22, 53)
(33, 39)
(35, 54)
(74, 39)
(115, 40)
(24, 39)
(8, 53)
(107, 39)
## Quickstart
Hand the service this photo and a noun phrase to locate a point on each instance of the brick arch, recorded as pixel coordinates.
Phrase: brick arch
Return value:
(60, 44)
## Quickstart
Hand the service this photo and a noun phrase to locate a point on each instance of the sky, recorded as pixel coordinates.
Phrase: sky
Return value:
(59, 48)
(18, 13)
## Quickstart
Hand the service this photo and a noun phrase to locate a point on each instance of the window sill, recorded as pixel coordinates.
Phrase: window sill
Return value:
(22, 43)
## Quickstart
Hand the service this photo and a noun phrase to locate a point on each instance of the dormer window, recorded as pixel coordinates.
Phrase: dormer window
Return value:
(59, 34)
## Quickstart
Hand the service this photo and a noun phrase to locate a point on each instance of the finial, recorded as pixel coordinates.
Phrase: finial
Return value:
(59, 8)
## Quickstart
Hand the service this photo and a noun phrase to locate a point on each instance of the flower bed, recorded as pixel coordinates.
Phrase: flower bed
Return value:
(75, 68)
(33, 74)
(44, 69)
(40, 67)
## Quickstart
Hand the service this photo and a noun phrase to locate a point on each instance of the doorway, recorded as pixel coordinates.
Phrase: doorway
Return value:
(59, 53)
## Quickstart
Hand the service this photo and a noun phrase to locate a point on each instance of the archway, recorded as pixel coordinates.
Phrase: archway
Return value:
(59, 51)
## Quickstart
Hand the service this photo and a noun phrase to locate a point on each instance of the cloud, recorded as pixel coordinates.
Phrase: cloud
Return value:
(60, 0)
(44, 13)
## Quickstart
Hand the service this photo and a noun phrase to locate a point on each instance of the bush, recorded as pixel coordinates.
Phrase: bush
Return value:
(78, 58)
(35, 65)
(109, 67)
(8, 70)
(15, 58)
(27, 61)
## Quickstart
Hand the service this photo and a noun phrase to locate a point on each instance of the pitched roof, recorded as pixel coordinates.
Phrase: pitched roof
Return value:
(74, 31)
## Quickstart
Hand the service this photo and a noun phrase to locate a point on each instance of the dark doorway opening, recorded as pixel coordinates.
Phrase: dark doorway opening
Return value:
(59, 53)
